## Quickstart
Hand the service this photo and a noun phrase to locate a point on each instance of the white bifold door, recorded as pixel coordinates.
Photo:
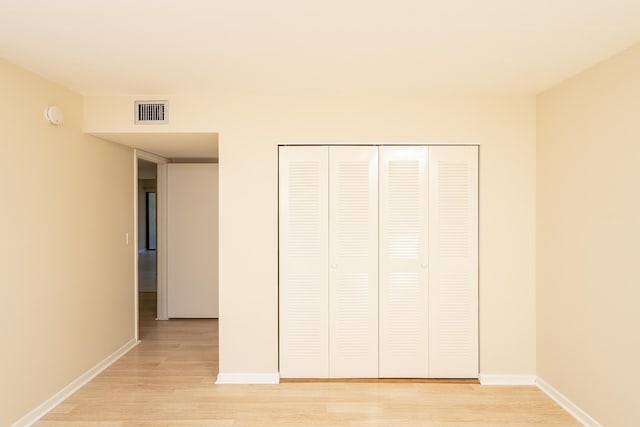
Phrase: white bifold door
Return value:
(304, 261)
(453, 262)
(378, 262)
(403, 261)
(353, 262)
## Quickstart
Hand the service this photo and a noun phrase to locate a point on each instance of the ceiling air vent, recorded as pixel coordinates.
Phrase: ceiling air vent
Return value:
(151, 112)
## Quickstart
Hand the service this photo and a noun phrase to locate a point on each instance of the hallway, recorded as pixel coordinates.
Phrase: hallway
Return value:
(147, 271)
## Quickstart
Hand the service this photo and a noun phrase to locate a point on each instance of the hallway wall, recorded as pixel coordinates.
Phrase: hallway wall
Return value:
(66, 274)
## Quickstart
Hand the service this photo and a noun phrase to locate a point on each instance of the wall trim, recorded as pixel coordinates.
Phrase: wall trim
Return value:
(46, 406)
(517, 379)
(162, 311)
(566, 404)
(251, 378)
(136, 315)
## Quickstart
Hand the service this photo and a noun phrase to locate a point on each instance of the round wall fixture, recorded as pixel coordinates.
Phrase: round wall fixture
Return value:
(54, 115)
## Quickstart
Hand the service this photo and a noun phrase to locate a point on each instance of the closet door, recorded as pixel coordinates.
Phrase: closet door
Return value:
(403, 262)
(353, 260)
(303, 235)
(453, 262)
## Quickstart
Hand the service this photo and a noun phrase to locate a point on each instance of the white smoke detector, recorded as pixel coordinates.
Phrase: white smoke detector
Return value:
(54, 115)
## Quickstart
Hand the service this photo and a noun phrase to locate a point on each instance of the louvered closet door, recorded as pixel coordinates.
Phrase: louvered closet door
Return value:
(303, 233)
(353, 259)
(403, 262)
(453, 262)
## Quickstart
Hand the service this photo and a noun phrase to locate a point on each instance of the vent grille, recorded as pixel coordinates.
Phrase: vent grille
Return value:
(151, 112)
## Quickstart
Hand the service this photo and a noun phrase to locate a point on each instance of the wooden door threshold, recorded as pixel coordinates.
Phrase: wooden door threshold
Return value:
(383, 380)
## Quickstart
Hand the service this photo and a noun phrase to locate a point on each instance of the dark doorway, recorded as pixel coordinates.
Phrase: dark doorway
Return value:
(151, 221)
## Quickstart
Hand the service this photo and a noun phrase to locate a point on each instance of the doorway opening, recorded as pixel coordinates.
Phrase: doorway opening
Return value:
(151, 273)
(147, 236)
(151, 220)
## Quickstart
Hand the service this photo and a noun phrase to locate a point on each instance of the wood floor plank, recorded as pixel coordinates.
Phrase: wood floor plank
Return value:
(169, 380)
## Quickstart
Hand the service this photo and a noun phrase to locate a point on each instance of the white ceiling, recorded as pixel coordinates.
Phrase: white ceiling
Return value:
(296, 46)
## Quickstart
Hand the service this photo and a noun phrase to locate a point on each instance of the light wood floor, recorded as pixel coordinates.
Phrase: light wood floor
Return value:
(168, 380)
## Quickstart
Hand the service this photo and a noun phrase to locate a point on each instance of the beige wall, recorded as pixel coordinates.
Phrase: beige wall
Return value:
(250, 128)
(588, 244)
(66, 275)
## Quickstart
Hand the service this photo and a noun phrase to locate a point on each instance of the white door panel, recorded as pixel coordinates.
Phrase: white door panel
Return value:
(192, 240)
(353, 259)
(403, 262)
(303, 234)
(453, 262)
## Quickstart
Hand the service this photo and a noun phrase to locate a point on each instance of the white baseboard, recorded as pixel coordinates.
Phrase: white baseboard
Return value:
(566, 404)
(71, 388)
(240, 378)
(519, 379)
